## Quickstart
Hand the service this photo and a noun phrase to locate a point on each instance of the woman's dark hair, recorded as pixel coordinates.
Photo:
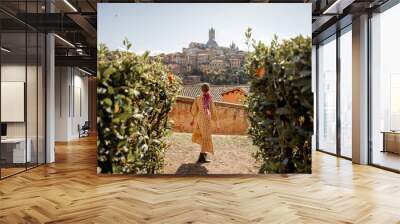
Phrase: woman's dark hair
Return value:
(205, 87)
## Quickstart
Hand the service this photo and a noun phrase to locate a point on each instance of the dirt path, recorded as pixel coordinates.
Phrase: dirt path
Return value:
(232, 156)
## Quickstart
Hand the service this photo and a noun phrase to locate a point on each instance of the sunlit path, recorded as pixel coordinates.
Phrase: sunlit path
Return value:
(232, 156)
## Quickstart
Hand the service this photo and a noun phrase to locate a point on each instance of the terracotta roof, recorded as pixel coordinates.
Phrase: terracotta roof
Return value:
(243, 89)
(215, 91)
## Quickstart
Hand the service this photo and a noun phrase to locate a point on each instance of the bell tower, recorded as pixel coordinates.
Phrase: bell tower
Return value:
(211, 43)
(211, 34)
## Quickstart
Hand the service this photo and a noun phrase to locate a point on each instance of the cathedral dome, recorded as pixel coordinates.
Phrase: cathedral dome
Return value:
(212, 44)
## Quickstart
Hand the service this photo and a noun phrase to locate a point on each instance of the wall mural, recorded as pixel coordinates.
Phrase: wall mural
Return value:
(223, 97)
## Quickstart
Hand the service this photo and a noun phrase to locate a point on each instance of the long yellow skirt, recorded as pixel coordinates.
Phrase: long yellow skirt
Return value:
(202, 133)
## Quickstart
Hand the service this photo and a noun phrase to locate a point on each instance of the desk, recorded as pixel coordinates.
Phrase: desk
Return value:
(391, 141)
(16, 147)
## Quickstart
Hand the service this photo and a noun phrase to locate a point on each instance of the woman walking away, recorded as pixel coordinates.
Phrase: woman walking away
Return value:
(203, 111)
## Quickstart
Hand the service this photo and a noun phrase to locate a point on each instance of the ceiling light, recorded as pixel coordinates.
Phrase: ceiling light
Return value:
(338, 6)
(79, 51)
(64, 40)
(70, 5)
(5, 50)
(84, 71)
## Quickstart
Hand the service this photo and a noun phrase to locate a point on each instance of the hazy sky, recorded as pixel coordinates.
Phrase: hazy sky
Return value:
(170, 27)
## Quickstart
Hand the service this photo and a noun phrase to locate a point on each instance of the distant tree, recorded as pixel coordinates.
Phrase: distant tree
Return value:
(226, 77)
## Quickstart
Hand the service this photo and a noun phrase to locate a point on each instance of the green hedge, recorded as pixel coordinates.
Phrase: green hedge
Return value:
(280, 104)
(134, 96)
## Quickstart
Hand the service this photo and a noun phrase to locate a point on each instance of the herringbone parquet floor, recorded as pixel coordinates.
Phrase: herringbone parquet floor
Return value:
(69, 191)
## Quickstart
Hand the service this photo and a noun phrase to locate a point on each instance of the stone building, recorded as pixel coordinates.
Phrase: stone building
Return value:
(206, 57)
(235, 95)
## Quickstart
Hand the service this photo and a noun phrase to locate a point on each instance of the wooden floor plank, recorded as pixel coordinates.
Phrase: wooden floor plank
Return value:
(70, 191)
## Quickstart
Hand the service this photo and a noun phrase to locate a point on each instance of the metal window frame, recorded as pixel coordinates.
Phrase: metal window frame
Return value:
(44, 74)
(339, 32)
(381, 9)
(387, 5)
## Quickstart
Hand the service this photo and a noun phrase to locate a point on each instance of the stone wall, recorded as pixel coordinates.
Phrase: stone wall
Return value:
(232, 117)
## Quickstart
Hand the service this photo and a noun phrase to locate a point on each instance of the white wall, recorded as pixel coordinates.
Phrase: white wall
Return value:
(70, 83)
(16, 72)
(62, 82)
(79, 117)
(33, 126)
(13, 72)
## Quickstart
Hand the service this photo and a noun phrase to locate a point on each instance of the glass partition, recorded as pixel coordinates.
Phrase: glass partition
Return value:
(385, 89)
(22, 77)
(31, 98)
(41, 97)
(327, 95)
(13, 94)
(314, 85)
(346, 92)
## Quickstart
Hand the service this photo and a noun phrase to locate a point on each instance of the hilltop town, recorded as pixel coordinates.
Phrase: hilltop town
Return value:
(208, 62)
